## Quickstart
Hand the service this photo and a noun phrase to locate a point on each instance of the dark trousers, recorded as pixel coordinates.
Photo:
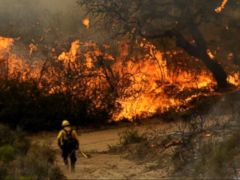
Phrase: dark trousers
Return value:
(69, 153)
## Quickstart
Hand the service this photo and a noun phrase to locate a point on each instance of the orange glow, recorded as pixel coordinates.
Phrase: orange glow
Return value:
(151, 82)
(145, 83)
(70, 56)
(86, 22)
(210, 54)
(15, 66)
(234, 79)
(5, 47)
(221, 7)
(5, 43)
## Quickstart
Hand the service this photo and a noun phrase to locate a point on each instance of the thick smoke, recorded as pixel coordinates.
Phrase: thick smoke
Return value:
(46, 22)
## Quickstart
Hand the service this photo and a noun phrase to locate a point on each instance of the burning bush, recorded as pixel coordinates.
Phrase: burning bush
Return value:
(87, 84)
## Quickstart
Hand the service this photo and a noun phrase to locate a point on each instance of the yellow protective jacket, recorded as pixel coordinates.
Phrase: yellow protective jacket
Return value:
(62, 134)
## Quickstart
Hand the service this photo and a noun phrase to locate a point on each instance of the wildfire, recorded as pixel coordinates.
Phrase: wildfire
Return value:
(154, 87)
(70, 56)
(234, 79)
(86, 22)
(14, 66)
(144, 84)
(5, 46)
(210, 54)
(221, 7)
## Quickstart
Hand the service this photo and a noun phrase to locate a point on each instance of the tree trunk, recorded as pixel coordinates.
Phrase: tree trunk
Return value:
(199, 50)
(216, 69)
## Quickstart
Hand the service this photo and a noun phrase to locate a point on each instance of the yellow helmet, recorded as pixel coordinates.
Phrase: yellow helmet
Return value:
(65, 123)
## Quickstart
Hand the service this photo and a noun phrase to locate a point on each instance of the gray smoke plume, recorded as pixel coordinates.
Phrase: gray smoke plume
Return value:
(43, 21)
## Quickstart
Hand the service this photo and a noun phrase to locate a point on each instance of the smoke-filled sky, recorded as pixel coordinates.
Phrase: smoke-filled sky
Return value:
(27, 8)
(42, 20)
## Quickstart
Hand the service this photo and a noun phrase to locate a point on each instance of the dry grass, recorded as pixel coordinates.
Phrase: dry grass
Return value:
(205, 146)
(20, 160)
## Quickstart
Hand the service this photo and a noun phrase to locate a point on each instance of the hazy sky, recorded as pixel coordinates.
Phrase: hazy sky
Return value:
(38, 18)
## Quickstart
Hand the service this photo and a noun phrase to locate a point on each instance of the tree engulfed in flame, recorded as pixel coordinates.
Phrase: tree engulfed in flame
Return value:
(154, 87)
(142, 85)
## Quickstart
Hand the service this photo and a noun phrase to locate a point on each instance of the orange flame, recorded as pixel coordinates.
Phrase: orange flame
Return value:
(145, 83)
(14, 66)
(5, 47)
(234, 79)
(86, 22)
(70, 56)
(154, 87)
(210, 54)
(221, 7)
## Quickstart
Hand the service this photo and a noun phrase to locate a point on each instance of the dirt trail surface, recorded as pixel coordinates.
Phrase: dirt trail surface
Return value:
(102, 165)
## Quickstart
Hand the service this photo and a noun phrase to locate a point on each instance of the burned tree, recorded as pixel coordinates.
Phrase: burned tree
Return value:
(195, 26)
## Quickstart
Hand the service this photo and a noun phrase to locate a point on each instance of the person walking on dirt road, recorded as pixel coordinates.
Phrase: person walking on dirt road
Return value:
(68, 143)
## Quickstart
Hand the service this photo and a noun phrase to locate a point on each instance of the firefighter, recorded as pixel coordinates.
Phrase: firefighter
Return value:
(68, 142)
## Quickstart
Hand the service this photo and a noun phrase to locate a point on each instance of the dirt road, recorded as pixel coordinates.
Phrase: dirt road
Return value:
(102, 165)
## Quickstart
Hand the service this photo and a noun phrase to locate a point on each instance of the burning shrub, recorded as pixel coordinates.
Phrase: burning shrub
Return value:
(88, 84)
(40, 95)
(25, 106)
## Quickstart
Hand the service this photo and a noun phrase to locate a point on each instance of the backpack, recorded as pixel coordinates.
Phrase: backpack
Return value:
(68, 141)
